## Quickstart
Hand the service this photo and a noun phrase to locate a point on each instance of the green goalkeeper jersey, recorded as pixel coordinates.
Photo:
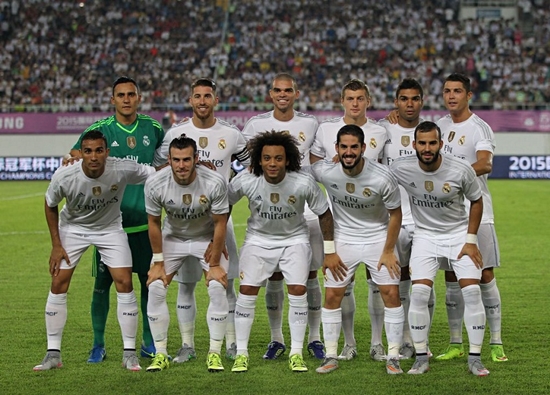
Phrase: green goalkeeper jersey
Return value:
(137, 141)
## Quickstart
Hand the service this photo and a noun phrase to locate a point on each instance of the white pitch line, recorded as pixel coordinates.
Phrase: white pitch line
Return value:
(21, 197)
(35, 232)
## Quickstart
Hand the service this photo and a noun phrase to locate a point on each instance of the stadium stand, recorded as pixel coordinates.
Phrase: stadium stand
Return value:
(63, 55)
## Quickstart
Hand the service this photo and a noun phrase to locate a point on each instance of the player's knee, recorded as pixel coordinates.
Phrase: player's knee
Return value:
(297, 290)
(487, 275)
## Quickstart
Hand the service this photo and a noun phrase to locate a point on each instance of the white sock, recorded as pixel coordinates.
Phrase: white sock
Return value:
(376, 312)
(244, 317)
(474, 317)
(405, 296)
(455, 310)
(394, 318)
(274, 303)
(127, 312)
(216, 315)
(491, 301)
(419, 316)
(348, 315)
(230, 337)
(159, 317)
(314, 300)
(186, 311)
(56, 318)
(431, 307)
(297, 321)
(332, 324)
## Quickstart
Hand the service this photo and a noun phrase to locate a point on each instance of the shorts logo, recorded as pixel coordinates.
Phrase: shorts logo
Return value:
(367, 192)
(146, 141)
(96, 191)
(405, 141)
(187, 199)
(446, 188)
(131, 141)
(372, 143)
(462, 140)
(285, 132)
(274, 197)
(451, 136)
(222, 144)
(350, 188)
(203, 142)
(291, 199)
(429, 185)
(203, 200)
(302, 136)
(114, 188)
(241, 275)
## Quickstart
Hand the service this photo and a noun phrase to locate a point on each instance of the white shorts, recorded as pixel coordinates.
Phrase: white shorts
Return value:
(428, 255)
(176, 251)
(488, 245)
(191, 272)
(404, 244)
(113, 248)
(316, 243)
(257, 264)
(353, 255)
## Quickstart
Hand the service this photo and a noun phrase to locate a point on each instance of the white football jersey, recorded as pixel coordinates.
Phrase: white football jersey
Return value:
(216, 145)
(359, 204)
(463, 140)
(277, 210)
(399, 144)
(188, 208)
(325, 138)
(301, 126)
(92, 205)
(437, 198)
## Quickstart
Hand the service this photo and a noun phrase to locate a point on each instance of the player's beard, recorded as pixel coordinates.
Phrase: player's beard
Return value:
(426, 162)
(203, 115)
(353, 165)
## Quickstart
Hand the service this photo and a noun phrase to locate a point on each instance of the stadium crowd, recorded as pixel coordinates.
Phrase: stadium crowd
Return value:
(64, 55)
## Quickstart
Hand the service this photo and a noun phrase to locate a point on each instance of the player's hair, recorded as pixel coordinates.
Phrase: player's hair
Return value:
(409, 83)
(125, 80)
(427, 126)
(182, 142)
(355, 85)
(204, 82)
(285, 77)
(284, 139)
(458, 77)
(94, 134)
(351, 130)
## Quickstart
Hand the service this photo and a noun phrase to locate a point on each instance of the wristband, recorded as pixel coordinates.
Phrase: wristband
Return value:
(471, 238)
(159, 257)
(329, 246)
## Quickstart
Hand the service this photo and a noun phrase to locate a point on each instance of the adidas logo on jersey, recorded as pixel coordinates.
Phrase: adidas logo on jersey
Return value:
(334, 186)
(258, 198)
(80, 194)
(412, 185)
(114, 144)
(170, 202)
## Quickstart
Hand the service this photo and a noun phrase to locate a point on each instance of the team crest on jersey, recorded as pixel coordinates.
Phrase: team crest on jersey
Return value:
(350, 188)
(429, 185)
(302, 136)
(462, 140)
(203, 200)
(405, 141)
(96, 191)
(146, 141)
(451, 136)
(372, 143)
(446, 188)
(114, 188)
(367, 192)
(203, 142)
(274, 197)
(241, 275)
(187, 199)
(291, 199)
(131, 141)
(222, 144)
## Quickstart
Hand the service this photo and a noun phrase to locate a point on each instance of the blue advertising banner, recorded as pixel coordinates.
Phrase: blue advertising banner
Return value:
(521, 167)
